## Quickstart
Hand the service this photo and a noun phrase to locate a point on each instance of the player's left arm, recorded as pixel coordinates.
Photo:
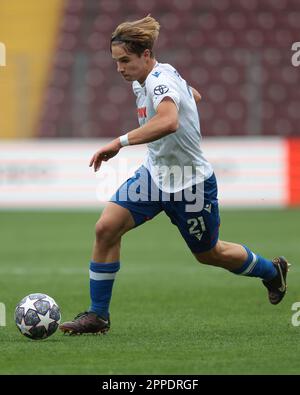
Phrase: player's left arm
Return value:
(196, 94)
(163, 123)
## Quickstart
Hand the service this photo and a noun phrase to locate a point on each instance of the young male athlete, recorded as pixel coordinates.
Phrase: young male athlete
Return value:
(169, 124)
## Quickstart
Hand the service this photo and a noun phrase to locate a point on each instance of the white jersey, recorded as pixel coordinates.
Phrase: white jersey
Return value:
(175, 161)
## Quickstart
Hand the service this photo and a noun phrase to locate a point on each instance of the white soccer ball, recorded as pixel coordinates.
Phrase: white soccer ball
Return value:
(37, 316)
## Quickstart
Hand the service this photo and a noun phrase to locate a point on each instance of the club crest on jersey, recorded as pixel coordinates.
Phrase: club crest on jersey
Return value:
(142, 112)
(160, 90)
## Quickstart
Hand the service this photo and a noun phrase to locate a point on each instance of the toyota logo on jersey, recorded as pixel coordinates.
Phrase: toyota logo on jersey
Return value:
(160, 89)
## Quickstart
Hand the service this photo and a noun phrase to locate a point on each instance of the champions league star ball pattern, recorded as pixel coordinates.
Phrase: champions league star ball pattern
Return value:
(37, 316)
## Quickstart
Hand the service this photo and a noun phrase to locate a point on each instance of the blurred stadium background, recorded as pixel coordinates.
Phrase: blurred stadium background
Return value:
(61, 98)
(60, 83)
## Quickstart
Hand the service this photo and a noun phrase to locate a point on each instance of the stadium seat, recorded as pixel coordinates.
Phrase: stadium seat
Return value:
(228, 50)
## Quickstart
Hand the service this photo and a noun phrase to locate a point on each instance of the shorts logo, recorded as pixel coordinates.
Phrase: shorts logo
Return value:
(207, 208)
(160, 89)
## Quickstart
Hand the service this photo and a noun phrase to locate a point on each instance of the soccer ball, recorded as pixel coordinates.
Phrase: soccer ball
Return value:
(37, 316)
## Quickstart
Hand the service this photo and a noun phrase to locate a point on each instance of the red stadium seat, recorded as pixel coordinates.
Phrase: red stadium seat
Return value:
(237, 54)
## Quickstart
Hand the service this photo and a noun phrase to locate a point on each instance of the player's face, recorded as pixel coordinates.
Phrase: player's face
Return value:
(130, 65)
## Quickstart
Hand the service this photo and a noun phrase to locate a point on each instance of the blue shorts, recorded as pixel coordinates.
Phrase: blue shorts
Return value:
(196, 218)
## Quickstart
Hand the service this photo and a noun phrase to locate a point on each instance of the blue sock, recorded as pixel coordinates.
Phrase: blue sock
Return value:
(256, 266)
(102, 276)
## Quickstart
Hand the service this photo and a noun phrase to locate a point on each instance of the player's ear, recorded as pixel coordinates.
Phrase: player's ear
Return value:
(147, 53)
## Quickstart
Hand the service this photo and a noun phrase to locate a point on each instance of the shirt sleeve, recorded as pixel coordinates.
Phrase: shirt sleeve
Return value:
(160, 87)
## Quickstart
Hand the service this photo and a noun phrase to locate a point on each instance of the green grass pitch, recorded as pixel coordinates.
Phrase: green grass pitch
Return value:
(170, 314)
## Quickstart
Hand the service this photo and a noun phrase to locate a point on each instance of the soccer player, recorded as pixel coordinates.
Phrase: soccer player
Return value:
(169, 125)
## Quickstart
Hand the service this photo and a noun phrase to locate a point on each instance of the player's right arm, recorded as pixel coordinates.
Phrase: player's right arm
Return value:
(166, 100)
(163, 123)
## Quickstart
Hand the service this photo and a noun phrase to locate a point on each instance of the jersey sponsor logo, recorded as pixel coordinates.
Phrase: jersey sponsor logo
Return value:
(160, 90)
(142, 112)
(156, 74)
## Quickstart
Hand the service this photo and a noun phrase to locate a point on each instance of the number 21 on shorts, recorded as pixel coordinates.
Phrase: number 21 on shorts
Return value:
(197, 226)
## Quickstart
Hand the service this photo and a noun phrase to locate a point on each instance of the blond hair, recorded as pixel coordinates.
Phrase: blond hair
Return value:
(137, 35)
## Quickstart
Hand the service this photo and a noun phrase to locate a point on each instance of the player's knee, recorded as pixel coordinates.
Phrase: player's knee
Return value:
(106, 232)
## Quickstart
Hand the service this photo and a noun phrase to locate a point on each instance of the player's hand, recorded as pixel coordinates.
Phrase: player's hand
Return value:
(104, 154)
